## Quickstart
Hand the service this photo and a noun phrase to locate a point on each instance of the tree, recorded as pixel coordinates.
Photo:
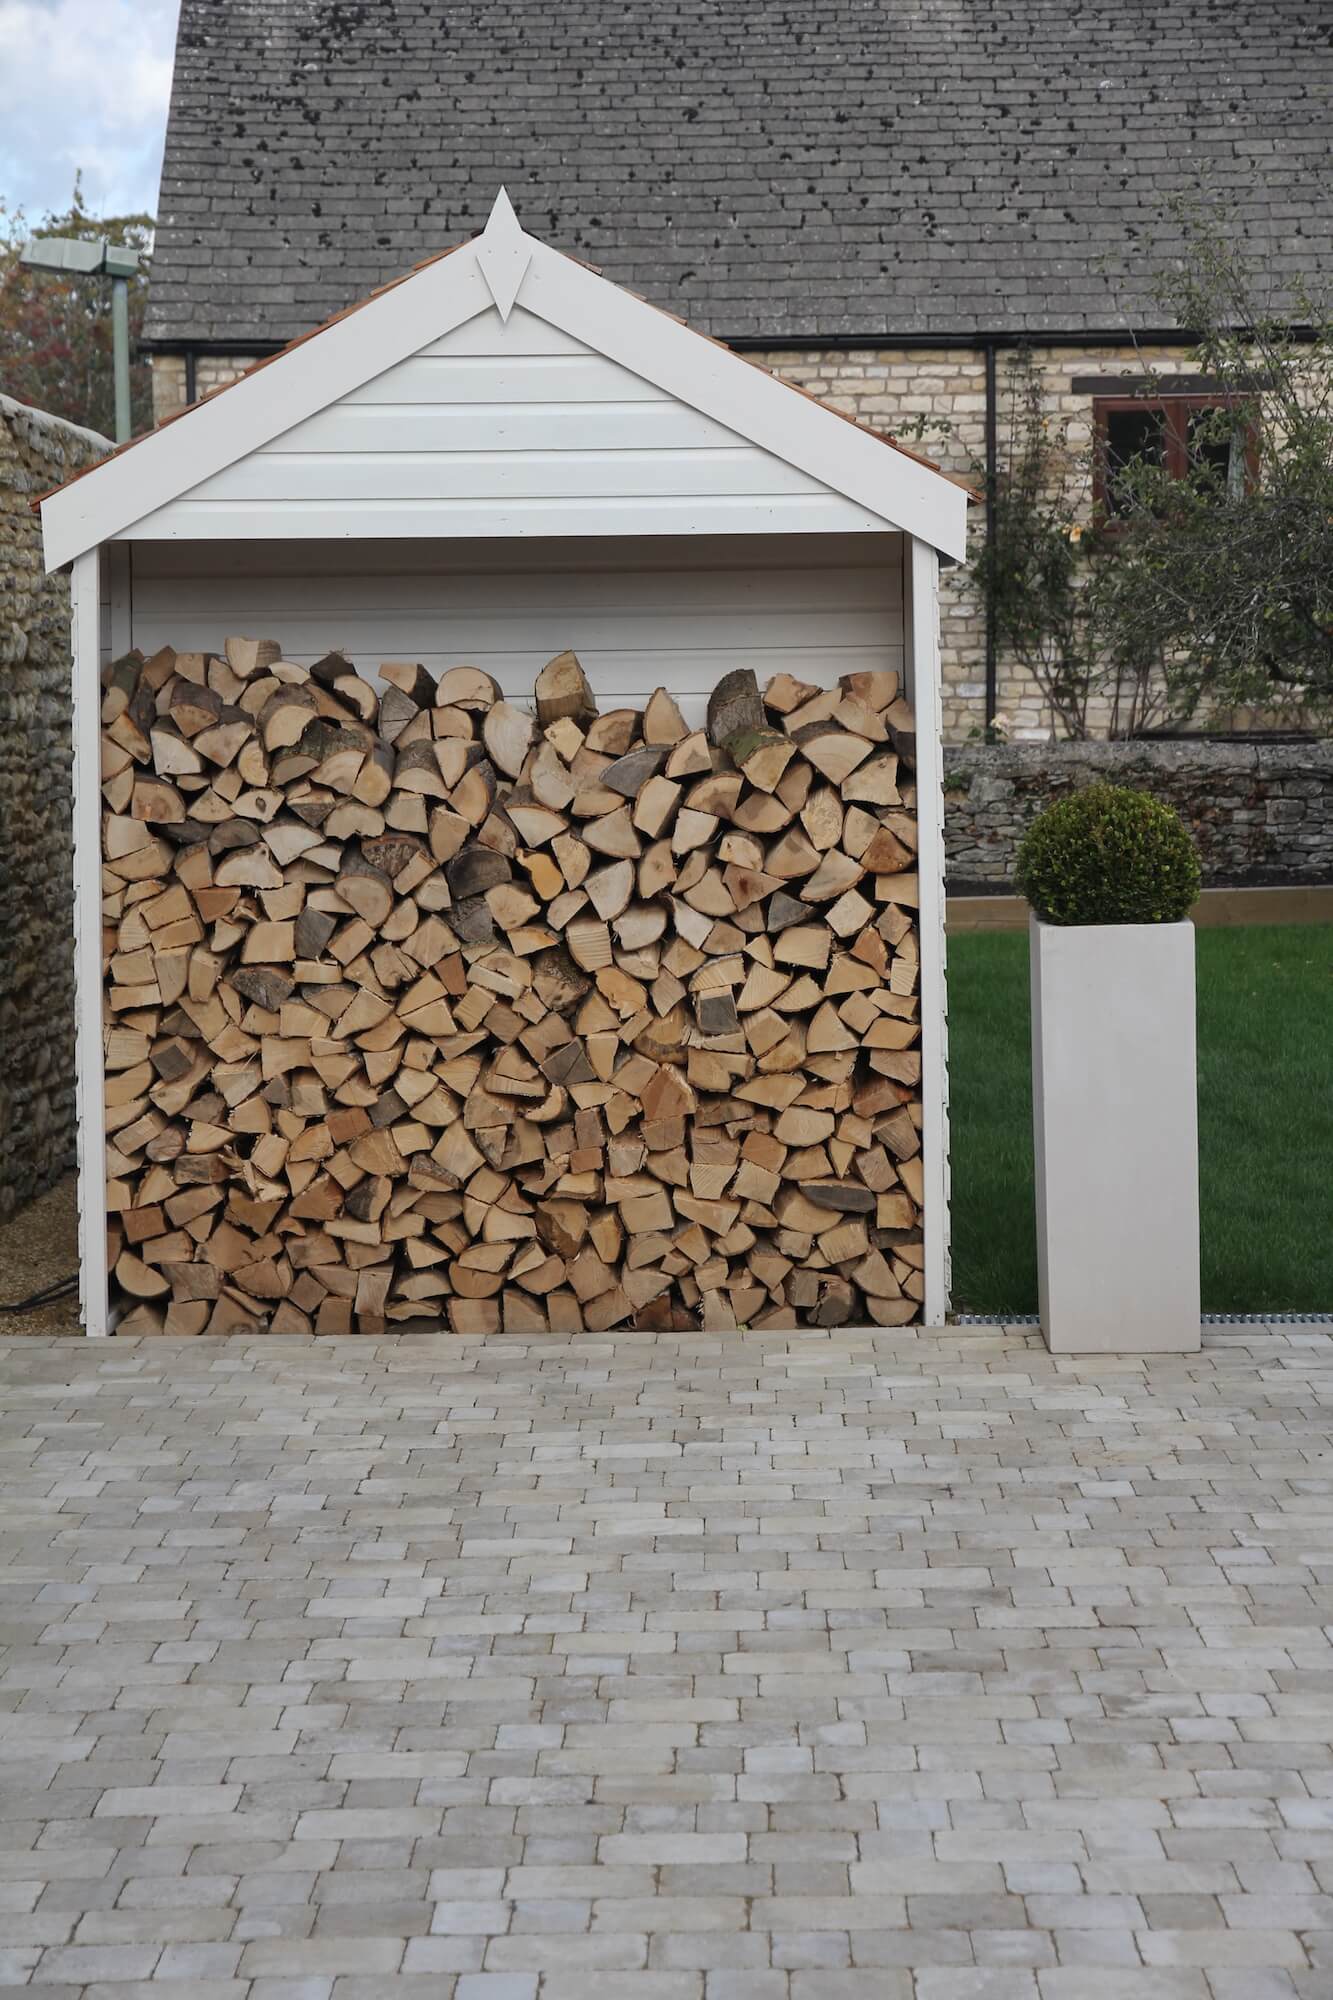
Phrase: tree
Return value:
(55, 332)
(1221, 583)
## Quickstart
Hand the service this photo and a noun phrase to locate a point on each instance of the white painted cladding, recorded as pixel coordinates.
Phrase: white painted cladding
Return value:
(510, 428)
(635, 624)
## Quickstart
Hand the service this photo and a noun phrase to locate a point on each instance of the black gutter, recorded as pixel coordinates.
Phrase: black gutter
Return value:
(838, 343)
(834, 343)
(991, 488)
(841, 343)
(1118, 336)
(241, 345)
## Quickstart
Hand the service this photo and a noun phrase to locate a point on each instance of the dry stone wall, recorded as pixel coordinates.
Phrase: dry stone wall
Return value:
(36, 952)
(1260, 812)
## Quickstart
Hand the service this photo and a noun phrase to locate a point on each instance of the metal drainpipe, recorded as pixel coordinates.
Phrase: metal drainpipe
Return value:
(991, 474)
(191, 384)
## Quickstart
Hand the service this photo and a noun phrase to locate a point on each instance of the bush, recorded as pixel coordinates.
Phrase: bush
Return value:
(1108, 855)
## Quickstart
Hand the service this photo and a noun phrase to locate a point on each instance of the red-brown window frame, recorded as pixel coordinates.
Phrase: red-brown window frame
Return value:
(1176, 411)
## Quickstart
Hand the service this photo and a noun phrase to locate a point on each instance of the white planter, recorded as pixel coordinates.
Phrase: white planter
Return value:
(1116, 1130)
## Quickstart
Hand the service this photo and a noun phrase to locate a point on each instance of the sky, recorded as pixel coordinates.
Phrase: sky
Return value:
(84, 85)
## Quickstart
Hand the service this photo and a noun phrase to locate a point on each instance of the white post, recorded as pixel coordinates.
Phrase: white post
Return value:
(921, 570)
(85, 718)
(116, 556)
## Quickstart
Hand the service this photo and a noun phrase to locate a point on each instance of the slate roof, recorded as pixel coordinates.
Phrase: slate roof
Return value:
(779, 170)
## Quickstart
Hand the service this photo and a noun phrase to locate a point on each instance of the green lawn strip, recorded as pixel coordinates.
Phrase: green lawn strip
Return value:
(1265, 1120)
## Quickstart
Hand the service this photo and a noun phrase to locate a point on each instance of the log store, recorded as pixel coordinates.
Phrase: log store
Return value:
(508, 867)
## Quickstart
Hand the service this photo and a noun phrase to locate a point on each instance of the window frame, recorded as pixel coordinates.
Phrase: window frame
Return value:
(1176, 411)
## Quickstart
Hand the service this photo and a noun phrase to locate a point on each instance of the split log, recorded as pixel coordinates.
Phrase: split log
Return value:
(734, 708)
(562, 690)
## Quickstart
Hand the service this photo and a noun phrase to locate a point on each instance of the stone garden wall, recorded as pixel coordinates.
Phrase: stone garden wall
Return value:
(36, 951)
(1260, 813)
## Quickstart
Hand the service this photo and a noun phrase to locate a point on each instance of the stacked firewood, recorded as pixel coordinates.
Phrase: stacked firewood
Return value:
(421, 1007)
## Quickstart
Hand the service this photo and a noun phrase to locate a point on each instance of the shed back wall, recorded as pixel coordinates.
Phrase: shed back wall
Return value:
(637, 617)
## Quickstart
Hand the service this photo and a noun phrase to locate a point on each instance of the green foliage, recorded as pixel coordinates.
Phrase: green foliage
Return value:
(55, 331)
(1108, 855)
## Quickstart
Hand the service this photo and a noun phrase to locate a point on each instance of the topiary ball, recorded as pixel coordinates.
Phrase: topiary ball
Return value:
(1108, 855)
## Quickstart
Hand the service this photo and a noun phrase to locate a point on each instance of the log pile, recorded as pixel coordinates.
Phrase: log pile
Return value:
(422, 1007)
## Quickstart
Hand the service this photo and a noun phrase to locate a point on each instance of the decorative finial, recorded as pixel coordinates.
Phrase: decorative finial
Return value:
(503, 253)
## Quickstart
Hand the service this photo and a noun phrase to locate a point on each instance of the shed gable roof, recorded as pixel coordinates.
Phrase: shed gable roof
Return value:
(479, 283)
(774, 171)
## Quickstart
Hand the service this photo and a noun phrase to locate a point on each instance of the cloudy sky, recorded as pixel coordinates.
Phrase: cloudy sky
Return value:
(83, 85)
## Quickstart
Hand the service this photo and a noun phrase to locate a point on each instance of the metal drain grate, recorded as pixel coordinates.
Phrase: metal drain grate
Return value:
(997, 1319)
(1209, 1319)
(1268, 1319)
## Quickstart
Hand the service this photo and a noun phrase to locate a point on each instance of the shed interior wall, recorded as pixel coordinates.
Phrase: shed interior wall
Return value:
(639, 613)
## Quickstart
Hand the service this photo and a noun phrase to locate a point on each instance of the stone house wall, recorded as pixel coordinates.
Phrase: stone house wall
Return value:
(211, 371)
(1259, 813)
(36, 919)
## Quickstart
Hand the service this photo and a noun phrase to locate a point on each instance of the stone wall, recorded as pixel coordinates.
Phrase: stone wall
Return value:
(212, 371)
(1260, 813)
(36, 923)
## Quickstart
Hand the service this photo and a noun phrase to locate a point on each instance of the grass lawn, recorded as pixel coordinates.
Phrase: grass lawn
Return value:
(1265, 1120)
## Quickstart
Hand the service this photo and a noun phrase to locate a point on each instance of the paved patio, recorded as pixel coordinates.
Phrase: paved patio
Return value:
(784, 1667)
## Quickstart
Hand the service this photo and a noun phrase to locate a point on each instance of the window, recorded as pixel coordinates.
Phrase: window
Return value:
(1181, 434)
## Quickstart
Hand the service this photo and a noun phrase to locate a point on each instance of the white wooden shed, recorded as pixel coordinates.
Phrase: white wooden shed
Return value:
(498, 454)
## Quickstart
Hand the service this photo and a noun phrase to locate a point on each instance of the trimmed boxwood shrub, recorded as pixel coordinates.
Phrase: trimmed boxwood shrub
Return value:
(1108, 855)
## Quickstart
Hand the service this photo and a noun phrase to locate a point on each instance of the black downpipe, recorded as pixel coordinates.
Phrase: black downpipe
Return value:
(191, 381)
(991, 482)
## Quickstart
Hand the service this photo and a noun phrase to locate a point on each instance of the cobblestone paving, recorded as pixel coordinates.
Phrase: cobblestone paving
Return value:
(783, 1667)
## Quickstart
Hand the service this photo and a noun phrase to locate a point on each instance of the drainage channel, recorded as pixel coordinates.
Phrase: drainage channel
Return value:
(1207, 1319)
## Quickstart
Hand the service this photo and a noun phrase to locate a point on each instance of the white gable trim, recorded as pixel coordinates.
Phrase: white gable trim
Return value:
(748, 400)
(293, 386)
(499, 267)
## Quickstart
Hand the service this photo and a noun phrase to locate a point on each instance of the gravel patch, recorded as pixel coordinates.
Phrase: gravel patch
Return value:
(38, 1247)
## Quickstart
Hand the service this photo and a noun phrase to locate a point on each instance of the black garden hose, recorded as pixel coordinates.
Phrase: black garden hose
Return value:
(46, 1297)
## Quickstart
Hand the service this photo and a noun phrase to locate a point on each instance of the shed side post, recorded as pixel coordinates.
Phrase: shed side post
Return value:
(85, 716)
(922, 654)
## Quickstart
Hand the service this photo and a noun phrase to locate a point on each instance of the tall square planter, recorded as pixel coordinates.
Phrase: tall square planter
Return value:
(1115, 1125)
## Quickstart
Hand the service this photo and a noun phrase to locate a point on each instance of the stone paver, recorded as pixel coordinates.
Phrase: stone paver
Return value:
(799, 1666)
